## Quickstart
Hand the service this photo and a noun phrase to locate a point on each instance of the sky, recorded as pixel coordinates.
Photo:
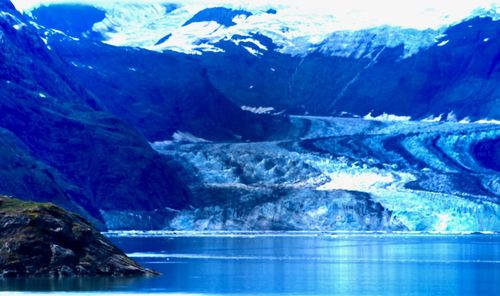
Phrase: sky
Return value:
(376, 7)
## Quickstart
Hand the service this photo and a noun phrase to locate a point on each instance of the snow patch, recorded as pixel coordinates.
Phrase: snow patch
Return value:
(362, 180)
(258, 110)
(443, 220)
(443, 43)
(321, 211)
(252, 51)
(19, 26)
(250, 40)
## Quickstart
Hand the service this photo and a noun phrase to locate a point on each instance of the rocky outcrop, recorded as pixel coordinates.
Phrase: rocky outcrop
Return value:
(39, 239)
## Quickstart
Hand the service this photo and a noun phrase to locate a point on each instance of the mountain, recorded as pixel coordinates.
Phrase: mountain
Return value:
(69, 104)
(432, 61)
(255, 115)
(56, 140)
(162, 94)
(459, 74)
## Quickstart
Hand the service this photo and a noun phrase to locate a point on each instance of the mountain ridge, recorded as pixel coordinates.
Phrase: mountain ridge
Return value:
(428, 71)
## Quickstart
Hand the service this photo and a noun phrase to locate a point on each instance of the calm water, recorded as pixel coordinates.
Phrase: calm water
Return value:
(301, 265)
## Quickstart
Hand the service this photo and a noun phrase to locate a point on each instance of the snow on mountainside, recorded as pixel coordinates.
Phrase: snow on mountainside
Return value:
(413, 59)
(332, 27)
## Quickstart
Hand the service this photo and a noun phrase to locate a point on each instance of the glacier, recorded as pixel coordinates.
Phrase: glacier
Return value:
(345, 174)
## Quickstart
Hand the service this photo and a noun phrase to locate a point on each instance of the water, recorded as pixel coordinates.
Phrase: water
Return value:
(303, 264)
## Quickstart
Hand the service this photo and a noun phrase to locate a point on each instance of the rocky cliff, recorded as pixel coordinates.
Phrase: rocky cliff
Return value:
(44, 240)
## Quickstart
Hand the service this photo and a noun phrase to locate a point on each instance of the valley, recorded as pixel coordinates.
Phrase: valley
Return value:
(216, 124)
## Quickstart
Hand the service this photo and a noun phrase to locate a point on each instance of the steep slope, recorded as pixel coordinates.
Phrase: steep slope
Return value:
(161, 94)
(59, 135)
(24, 175)
(459, 74)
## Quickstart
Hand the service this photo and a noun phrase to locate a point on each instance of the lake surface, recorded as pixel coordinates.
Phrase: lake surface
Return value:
(299, 264)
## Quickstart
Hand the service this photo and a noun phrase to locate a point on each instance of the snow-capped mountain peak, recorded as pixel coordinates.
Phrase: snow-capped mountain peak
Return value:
(335, 27)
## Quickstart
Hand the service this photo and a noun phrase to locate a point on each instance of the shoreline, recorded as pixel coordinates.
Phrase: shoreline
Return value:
(249, 234)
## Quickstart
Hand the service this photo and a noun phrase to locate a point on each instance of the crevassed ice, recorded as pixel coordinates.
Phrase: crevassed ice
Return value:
(379, 160)
(386, 117)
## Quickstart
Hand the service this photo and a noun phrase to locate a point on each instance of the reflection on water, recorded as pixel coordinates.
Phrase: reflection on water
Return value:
(328, 265)
(71, 284)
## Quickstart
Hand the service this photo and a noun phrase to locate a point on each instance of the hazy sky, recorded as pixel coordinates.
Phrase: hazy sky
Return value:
(328, 4)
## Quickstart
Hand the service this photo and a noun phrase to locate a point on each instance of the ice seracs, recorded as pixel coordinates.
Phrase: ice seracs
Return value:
(386, 117)
(400, 174)
(433, 118)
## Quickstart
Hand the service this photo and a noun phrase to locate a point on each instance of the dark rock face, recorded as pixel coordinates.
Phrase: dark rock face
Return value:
(6, 5)
(24, 175)
(65, 21)
(161, 93)
(44, 240)
(488, 153)
(221, 15)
